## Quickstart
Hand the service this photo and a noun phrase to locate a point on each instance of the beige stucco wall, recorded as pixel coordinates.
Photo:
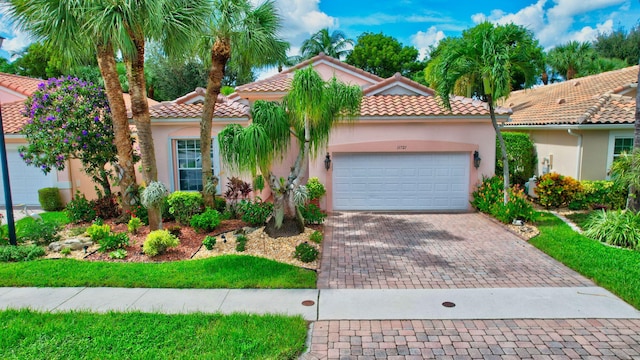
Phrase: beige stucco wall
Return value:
(595, 145)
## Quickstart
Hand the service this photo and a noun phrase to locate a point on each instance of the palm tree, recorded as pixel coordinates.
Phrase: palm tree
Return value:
(170, 22)
(484, 60)
(107, 27)
(309, 111)
(63, 25)
(248, 34)
(572, 58)
(336, 44)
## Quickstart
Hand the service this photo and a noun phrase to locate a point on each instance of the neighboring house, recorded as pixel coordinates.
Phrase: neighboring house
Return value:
(26, 180)
(578, 126)
(404, 152)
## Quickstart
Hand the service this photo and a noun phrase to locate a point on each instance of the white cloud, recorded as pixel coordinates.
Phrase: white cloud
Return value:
(302, 18)
(423, 40)
(16, 40)
(552, 25)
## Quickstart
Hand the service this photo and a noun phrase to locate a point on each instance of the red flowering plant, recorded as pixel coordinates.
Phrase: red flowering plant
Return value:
(69, 118)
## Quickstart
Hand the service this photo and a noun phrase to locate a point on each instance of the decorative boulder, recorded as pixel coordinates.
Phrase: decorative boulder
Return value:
(73, 244)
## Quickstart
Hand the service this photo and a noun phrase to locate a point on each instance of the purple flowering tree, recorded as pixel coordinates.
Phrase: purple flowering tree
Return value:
(70, 119)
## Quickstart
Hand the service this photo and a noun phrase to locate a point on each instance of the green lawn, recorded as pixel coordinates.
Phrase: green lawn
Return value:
(27, 334)
(230, 271)
(617, 270)
(579, 218)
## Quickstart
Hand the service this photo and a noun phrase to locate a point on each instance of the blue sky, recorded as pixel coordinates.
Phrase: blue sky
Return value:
(424, 23)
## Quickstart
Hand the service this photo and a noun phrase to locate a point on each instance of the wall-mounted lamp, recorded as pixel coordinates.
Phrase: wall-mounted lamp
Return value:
(327, 162)
(476, 159)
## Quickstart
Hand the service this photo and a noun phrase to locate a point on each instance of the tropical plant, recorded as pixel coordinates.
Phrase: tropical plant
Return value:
(207, 221)
(620, 44)
(306, 252)
(315, 189)
(97, 232)
(522, 157)
(255, 213)
(118, 254)
(572, 58)
(483, 62)
(209, 242)
(237, 189)
(312, 214)
(316, 237)
(334, 44)
(619, 228)
(245, 34)
(184, 204)
(625, 171)
(555, 190)
(241, 243)
(158, 241)
(487, 198)
(69, 119)
(134, 224)
(79, 209)
(113, 242)
(309, 111)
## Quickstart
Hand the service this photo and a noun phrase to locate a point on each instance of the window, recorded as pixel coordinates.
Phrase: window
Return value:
(190, 165)
(622, 145)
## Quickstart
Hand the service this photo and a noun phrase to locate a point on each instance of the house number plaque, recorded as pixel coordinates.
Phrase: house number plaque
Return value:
(402, 147)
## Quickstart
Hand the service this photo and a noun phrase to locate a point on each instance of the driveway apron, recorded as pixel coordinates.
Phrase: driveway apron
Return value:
(432, 251)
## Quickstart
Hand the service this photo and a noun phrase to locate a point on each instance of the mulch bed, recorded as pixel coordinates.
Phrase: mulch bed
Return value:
(190, 242)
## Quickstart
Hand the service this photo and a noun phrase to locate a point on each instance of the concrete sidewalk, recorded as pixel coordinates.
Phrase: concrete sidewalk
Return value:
(336, 304)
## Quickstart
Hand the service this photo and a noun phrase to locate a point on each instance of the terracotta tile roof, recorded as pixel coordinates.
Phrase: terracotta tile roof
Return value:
(190, 111)
(12, 119)
(418, 105)
(395, 79)
(281, 81)
(22, 84)
(588, 100)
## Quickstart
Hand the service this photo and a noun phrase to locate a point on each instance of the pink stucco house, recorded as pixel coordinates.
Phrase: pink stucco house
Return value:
(404, 152)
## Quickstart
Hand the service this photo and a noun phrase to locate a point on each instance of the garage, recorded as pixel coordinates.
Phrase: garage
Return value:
(396, 182)
(25, 180)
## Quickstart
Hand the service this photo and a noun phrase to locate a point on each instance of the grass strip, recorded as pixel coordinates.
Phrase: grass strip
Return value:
(615, 269)
(26, 334)
(229, 271)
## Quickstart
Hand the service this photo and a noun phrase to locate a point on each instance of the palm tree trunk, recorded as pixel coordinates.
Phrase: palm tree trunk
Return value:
(571, 73)
(220, 54)
(122, 133)
(142, 120)
(503, 149)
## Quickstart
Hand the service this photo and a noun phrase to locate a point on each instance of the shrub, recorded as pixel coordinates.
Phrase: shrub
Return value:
(80, 209)
(241, 243)
(11, 253)
(312, 214)
(106, 207)
(175, 230)
(521, 154)
(113, 242)
(316, 237)
(315, 189)
(518, 208)
(256, 212)
(207, 221)
(50, 199)
(158, 241)
(489, 192)
(98, 232)
(599, 194)
(305, 252)
(134, 224)
(555, 190)
(489, 198)
(183, 205)
(221, 204)
(39, 231)
(65, 251)
(166, 215)
(209, 242)
(619, 228)
(118, 254)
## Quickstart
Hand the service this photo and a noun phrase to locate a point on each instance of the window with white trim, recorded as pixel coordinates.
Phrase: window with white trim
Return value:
(190, 164)
(622, 145)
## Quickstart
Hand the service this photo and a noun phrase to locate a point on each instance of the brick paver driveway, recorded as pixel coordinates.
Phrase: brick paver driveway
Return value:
(427, 251)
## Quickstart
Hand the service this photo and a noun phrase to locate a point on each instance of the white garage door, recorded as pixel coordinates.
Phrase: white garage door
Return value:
(431, 181)
(25, 180)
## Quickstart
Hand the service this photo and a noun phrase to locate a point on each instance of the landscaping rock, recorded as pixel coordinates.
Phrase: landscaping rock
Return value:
(74, 244)
(245, 230)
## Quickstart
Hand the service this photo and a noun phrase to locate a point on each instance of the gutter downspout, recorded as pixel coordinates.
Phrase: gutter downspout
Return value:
(578, 154)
